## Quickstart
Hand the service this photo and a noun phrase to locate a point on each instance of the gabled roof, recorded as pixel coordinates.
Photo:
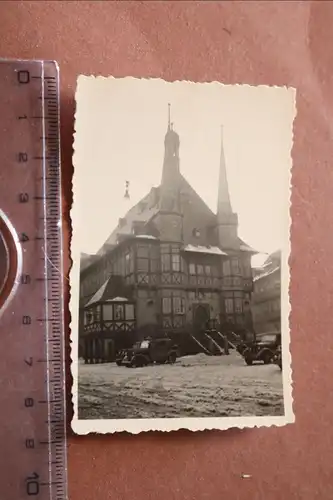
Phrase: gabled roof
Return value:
(145, 210)
(271, 265)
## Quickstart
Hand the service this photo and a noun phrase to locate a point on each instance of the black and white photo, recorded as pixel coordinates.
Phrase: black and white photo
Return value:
(180, 246)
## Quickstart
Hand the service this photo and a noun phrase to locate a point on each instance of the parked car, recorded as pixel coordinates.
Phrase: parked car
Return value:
(262, 349)
(277, 359)
(147, 352)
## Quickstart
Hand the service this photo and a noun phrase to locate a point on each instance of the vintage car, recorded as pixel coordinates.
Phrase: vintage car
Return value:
(262, 349)
(277, 359)
(147, 352)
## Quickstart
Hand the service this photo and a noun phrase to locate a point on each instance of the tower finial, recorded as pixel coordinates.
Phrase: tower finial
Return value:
(169, 116)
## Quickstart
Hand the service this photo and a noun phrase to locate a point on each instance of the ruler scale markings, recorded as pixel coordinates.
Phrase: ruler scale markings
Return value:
(42, 470)
(46, 288)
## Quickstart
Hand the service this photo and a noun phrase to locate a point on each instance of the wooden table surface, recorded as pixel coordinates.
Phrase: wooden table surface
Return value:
(270, 43)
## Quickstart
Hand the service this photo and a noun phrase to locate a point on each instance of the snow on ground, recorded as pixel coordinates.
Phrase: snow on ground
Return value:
(195, 386)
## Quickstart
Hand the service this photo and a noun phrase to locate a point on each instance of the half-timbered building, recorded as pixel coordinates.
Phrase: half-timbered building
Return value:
(170, 267)
(266, 298)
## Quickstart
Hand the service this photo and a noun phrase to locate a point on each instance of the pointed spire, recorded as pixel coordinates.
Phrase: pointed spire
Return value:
(223, 204)
(170, 172)
(227, 221)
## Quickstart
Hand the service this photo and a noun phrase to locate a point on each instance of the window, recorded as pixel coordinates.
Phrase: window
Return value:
(227, 281)
(200, 269)
(154, 266)
(247, 269)
(175, 260)
(96, 314)
(127, 263)
(121, 264)
(129, 311)
(226, 268)
(178, 305)
(107, 312)
(165, 258)
(119, 312)
(143, 251)
(238, 305)
(166, 305)
(235, 266)
(88, 317)
(192, 268)
(208, 270)
(175, 305)
(237, 282)
(143, 265)
(229, 306)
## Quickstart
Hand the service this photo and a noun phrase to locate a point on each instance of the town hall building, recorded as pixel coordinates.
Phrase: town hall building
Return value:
(171, 268)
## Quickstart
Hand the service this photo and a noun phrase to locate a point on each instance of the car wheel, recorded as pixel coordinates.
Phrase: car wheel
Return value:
(267, 358)
(134, 363)
(248, 357)
(172, 358)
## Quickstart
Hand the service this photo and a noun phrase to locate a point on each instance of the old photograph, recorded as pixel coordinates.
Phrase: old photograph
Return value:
(180, 246)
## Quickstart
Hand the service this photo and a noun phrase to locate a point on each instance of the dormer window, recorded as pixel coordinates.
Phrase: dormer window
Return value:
(142, 207)
(122, 222)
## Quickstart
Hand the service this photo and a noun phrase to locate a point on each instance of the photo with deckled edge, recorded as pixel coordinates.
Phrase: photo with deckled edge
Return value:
(180, 246)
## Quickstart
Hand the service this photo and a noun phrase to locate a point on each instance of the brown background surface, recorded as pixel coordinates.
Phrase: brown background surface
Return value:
(274, 43)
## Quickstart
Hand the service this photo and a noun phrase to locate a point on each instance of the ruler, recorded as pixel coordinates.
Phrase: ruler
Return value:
(32, 373)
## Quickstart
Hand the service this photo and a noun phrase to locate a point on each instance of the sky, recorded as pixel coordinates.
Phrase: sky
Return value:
(120, 128)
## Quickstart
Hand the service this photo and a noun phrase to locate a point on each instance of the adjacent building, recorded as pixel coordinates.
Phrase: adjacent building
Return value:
(171, 267)
(266, 299)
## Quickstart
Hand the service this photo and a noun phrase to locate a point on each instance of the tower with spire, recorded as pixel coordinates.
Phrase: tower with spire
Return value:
(169, 218)
(227, 220)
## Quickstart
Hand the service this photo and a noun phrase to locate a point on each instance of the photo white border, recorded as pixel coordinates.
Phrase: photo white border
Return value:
(136, 426)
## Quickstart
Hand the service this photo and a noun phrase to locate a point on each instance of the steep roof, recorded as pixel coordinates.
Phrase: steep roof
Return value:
(86, 260)
(113, 290)
(244, 247)
(271, 265)
(273, 259)
(145, 210)
(275, 255)
(264, 274)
